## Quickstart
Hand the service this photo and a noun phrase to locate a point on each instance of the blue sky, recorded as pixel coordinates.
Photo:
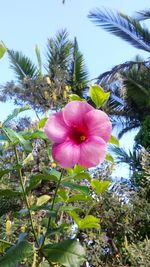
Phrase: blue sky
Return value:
(27, 23)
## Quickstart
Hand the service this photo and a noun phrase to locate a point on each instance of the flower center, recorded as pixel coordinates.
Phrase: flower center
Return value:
(78, 136)
(82, 137)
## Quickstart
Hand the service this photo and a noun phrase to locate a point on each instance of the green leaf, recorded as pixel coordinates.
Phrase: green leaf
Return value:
(16, 254)
(74, 97)
(18, 138)
(109, 157)
(98, 95)
(34, 135)
(61, 229)
(15, 113)
(100, 186)
(3, 246)
(36, 179)
(55, 173)
(77, 187)
(42, 200)
(3, 49)
(78, 169)
(70, 208)
(28, 159)
(68, 253)
(83, 175)
(5, 171)
(113, 140)
(9, 192)
(89, 221)
(63, 194)
(79, 197)
(42, 122)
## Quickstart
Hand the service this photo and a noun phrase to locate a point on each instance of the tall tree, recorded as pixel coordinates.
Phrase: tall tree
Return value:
(64, 70)
(129, 82)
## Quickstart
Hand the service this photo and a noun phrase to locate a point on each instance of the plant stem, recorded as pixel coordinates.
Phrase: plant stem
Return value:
(23, 188)
(6, 242)
(25, 196)
(91, 207)
(52, 207)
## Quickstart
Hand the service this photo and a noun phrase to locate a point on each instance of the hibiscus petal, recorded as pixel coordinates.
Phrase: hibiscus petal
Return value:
(98, 124)
(92, 152)
(66, 154)
(55, 128)
(74, 113)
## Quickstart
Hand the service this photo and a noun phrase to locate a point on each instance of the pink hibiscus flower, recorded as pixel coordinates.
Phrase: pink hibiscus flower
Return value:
(79, 134)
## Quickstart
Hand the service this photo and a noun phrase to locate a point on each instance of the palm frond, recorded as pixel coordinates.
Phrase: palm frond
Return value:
(142, 15)
(136, 82)
(129, 126)
(108, 76)
(38, 55)
(125, 27)
(58, 53)
(22, 65)
(121, 155)
(78, 72)
(132, 158)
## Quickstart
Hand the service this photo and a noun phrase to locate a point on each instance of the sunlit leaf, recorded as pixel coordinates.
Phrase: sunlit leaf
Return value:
(2, 50)
(100, 186)
(113, 140)
(28, 159)
(79, 197)
(42, 200)
(89, 221)
(78, 169)
(109, 157)
(98, 95)
(63, 194)
(74, 97)
(42, 122)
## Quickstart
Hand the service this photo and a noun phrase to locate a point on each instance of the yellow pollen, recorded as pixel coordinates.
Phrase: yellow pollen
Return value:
(53, 164)
(82, 137)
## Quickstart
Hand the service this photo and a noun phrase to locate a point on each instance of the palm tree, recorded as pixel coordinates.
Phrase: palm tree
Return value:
(64, 70)
(129, 82)
(131, 158)
(78, 75)
(123, 26)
